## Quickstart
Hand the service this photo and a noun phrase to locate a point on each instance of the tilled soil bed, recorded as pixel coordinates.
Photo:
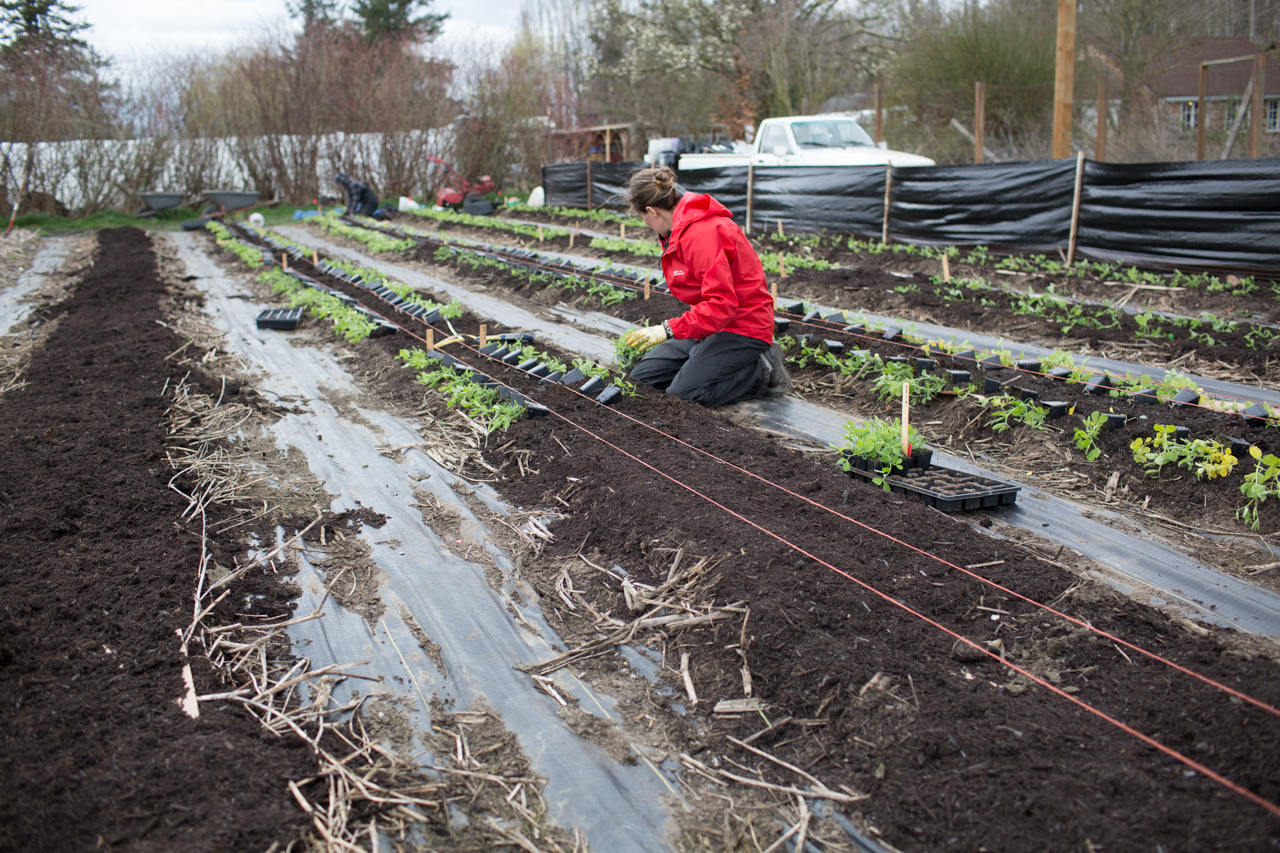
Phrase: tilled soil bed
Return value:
(96, 578)
(955, 750)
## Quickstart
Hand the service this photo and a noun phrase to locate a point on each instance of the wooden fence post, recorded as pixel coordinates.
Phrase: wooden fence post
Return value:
(1104, 112)
(979, 120)
(1259, 106)
(1075, 209)
(1200, 116)
(589, 205)
(1064, 79)
(751, 179)
(888, 195)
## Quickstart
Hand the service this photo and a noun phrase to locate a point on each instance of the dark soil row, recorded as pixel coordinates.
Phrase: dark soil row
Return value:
(96, 576)
(959, 753)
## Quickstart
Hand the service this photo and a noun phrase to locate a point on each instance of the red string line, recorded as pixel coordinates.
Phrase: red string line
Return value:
(1073, 620)
(1172, 753)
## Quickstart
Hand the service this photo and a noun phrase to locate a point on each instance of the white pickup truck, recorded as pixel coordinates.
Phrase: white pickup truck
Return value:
(824, 140)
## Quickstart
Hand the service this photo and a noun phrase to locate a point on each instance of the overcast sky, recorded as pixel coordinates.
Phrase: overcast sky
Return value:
(131, 30)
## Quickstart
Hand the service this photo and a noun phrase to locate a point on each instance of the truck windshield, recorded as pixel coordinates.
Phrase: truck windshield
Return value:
(835, 133)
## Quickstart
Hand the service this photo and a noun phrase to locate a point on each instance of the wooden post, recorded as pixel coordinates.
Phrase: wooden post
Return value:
(879, 125)
(284, 261)
(589, 204)
(773, 291)
(979, 120)
(646, 287)
(1200, 116)
(782, 265)
(1064, 78)
(608, 145)
(431, 339)
(315, 258)
(1104, 112)
(1075, 209)
(622, 230)
(571, 236)
(780, 234)
(888, 194)
(484, 338)
(1259, 108)
(539, 233)
(751, 180)
(946, 266)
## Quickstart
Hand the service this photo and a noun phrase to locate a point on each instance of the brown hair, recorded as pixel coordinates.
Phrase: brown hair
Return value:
(653, 187)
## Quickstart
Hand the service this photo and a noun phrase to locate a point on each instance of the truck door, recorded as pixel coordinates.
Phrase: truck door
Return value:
(775, 145)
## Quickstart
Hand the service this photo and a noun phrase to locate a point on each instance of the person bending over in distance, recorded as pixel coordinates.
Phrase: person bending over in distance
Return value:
(721, 350)
(361, 199)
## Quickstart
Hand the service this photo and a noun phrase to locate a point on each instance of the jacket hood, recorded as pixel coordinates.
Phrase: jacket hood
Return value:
(694, 207)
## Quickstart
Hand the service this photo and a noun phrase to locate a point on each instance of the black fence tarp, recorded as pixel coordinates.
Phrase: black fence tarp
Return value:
(1216, 215)
(1027, 205)
(1216, 212)
(567, 184)
(807, 198)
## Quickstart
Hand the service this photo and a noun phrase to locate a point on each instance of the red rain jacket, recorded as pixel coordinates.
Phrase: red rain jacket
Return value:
(710, 266)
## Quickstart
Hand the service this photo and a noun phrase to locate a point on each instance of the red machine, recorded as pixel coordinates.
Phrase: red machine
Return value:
(458, 192)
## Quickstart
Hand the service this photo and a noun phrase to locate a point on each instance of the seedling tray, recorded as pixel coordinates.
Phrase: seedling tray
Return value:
(948, 490)
(285, 319)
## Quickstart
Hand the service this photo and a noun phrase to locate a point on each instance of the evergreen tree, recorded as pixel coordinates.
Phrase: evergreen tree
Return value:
(47, 23)
(397, 19)
(314, 13)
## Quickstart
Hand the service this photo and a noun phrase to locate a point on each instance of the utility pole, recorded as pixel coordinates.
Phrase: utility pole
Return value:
(1064, 78)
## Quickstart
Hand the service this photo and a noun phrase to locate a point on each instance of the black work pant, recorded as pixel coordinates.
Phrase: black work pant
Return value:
(723, 368)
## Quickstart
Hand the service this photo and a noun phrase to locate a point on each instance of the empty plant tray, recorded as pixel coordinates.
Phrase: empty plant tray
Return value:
(280, 318)
(948, 490)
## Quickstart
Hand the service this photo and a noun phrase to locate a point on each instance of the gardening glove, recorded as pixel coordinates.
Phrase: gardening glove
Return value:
(647, 338)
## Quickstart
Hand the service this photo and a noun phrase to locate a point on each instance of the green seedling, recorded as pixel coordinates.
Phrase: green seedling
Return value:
(1086, 437)
(1261, 483)
(879, 441)
(1008, 409)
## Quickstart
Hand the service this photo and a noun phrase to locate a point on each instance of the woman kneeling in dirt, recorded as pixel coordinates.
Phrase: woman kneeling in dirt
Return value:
(721, 350)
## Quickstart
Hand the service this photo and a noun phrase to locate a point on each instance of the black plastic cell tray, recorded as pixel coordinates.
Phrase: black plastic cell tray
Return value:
(948, 490)
(285, 319)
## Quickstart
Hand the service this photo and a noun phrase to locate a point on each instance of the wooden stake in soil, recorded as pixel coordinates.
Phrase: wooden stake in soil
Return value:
(780, 234)
(782, 263)
(906, 413)
(284, 261)
(773, 289)
(431, 339)
(888, 194)
(646, 287)
(622, 230)
(539, 233)
(484, 338)
(946, 268)
(1075, 209)
(315, 258)
(572, 234)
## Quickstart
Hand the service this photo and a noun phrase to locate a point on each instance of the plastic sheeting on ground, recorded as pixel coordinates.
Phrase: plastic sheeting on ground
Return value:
(1216, 215)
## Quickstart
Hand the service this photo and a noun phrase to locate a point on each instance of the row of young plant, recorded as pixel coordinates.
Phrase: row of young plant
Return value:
(598, 214)
(981, 256)
(880, 441)
(1069, 314)
(607, 293)
(222, 236)
(518, 228)
(376, 241)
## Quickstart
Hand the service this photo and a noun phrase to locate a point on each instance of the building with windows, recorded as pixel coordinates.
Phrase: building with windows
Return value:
(1177, 84)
